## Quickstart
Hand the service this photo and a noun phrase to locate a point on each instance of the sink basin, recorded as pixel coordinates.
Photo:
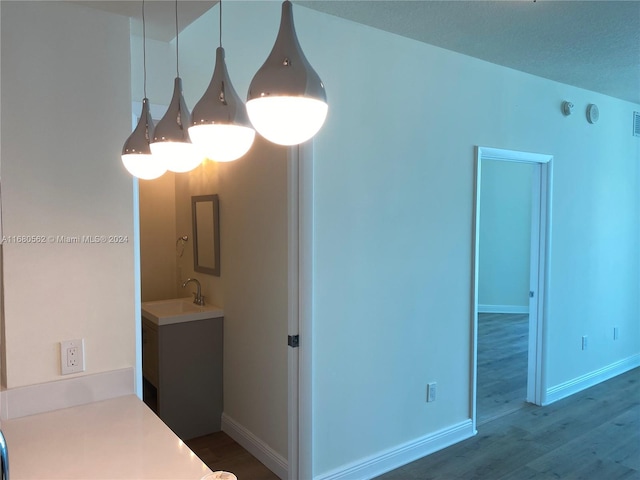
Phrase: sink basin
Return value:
(178, 310)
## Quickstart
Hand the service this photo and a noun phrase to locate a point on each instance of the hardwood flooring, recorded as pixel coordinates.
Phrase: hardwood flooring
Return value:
(503, 342)
(592, 435)
(220, 452)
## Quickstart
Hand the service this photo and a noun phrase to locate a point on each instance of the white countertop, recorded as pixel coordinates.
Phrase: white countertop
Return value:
(113, 439)
(178, 310)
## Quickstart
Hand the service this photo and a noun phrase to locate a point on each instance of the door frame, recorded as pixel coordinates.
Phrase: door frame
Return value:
(300, 309)
(300, 275)
(539, 268)
(159, 110)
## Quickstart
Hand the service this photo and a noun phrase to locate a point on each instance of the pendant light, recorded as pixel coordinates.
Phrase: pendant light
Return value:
(136, 153)
(171, 140)
(287, 103)
(220, 127)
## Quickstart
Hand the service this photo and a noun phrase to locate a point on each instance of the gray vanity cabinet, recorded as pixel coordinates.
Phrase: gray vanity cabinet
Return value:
(182, 371)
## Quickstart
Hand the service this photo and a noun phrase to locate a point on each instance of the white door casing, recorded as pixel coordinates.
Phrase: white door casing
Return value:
(539, 268)
(300, 258)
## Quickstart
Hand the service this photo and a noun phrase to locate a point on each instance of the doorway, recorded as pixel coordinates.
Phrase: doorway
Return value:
(533, 327)
(296, 214)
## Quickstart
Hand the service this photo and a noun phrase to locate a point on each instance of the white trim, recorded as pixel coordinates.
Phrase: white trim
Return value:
(489, 153)
(137, 289)
(46, 397)
(540, 272)
(256, 447)
(300, 269)
(293, 311)
(157, 112)
(503, 309)
(590, 379)
(305, 292)
(537, 367)
(402, 454)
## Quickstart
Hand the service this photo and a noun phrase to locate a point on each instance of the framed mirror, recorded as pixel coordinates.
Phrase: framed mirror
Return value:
(205, 218)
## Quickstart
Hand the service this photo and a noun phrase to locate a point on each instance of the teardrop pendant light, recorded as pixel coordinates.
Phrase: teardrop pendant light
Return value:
(136, 153)
(220, 127)
(171, 140)
(287, 102)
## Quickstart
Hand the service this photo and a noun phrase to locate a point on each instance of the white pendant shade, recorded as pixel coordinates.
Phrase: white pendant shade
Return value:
(171, 142)
(177, 157)
(143, 166)
(136, 153)
(287, 102)
(220, 127)
(287, 120)
(222, 143)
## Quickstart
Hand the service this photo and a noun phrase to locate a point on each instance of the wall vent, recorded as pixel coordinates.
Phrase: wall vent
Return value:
(636, 124)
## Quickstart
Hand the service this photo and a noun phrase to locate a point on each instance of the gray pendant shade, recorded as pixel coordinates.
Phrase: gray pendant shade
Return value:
(286, 72)
(173, 127)
(171, 136)
(138, 141)
(136, 152)
(220, 104)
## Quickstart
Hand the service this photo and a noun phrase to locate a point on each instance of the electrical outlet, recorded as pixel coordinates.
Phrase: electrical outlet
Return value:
(584, 342)
(72, 356)
(431, 392)
(616, 333)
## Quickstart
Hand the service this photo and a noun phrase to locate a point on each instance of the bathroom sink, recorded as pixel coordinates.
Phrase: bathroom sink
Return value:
(178, 310)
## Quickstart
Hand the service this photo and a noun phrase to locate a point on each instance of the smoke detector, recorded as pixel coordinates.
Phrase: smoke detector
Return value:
(567, 108)
(593, 113)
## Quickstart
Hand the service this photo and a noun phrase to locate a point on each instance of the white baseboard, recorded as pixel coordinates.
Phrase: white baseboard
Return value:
(518, 309)
(45, 397)
(401, 455)
(256, 447)
(590, 379)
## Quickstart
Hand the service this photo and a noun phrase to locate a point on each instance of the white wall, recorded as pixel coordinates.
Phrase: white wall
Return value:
(161, 71)
(252, 287)
(158, 239)
(393, 183)
(253, 212)
(393, 200)
(253, 216)
(505, 236)
(65, 115)
(203, 180)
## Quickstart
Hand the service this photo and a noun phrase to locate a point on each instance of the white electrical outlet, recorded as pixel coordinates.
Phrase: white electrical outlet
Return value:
(72, 356)
(584, 342)
(431, 392)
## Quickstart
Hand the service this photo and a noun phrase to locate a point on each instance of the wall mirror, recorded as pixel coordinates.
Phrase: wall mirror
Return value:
(206, 234)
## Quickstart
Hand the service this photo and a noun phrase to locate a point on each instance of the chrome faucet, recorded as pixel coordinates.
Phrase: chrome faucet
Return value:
(4, 458)
(198, 299)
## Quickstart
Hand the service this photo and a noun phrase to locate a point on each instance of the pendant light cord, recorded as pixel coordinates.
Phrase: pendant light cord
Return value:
(177, 49)
(220, 23)
(144, 52)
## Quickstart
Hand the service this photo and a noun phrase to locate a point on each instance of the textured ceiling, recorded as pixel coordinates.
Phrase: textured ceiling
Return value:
(589, 44)
(160, 19)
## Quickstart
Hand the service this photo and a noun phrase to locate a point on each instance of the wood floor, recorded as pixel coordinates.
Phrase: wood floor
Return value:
(220, 452)
(503, 342)
(592, 435)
